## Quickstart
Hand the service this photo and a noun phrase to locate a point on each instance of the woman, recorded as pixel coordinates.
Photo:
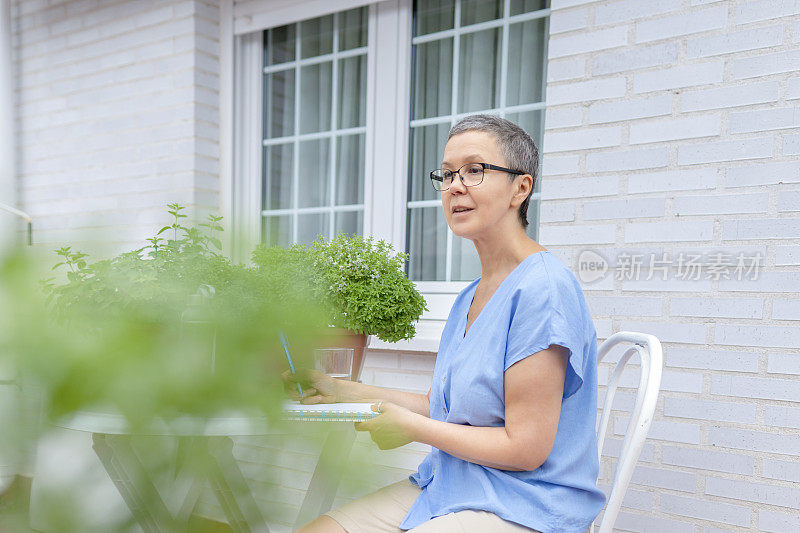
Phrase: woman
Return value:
(512, 436)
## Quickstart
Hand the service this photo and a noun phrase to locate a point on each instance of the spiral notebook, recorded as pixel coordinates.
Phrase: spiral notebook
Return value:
(328, 412)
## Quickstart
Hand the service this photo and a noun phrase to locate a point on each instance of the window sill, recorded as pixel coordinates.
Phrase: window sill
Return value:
(417, 344)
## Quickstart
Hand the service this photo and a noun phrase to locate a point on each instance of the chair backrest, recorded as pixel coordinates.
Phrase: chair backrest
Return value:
(649, 349)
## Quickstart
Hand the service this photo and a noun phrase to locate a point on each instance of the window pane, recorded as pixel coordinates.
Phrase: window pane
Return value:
(427, 235)
(310, 225)
(278, 176)
(314, 173)
(466, 265)
(281, 44)
(352, 83)
(350, 222)
(433, 78)
(316, 37)
(315, 98)
(526, 53)
(298, 174)
(427, 147)
(532, 230)
(433, 15)
(353, 28)
(279, 103)
(276, 230)
(480, 88)
(479, 71)
(473, 11)
(533, 124)
(350, 170)
(526, 6)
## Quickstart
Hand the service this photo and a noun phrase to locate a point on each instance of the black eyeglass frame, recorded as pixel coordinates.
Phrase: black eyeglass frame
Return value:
(484, 167)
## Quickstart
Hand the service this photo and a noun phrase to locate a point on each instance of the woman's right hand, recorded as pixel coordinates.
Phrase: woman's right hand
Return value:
(318, 387)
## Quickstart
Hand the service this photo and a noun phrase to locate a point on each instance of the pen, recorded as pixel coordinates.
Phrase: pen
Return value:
(285, 344)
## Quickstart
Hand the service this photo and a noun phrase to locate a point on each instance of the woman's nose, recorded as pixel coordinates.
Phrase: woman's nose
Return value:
(457, 184)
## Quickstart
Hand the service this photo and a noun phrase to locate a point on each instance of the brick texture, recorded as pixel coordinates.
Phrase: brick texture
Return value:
(670, 127)
(117, 115)
(703, 155)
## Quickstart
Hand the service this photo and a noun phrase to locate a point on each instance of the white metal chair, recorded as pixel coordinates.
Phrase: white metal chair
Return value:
(649, 349)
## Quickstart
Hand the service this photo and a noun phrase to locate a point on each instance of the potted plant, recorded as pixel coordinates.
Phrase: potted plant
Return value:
(361, 286)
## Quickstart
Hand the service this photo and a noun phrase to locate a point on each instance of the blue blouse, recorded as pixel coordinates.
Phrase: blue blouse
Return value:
(538, 304)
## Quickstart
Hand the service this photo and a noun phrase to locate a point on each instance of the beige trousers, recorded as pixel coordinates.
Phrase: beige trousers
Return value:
(383, 510)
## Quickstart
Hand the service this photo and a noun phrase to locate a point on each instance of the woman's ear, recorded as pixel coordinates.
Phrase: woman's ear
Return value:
(522, 189)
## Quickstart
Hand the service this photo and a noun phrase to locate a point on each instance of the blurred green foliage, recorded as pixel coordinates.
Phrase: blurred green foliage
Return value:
(112, 334)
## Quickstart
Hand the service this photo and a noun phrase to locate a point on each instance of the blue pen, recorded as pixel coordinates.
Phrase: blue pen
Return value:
(285, 344)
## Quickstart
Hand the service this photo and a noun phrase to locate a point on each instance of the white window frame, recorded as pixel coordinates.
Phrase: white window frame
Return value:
(456, 32)
(332, 134)
(386, 142)
(387, 134)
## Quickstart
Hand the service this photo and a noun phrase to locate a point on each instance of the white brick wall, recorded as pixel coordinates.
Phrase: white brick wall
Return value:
(117, 115)
(671, 126)
(690, 136)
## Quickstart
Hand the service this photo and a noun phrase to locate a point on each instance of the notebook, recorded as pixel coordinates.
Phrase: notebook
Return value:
(328, 412)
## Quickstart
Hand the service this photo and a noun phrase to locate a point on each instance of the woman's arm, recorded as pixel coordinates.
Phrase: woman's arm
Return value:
(533, 390)
(319, 387)
(417, 403)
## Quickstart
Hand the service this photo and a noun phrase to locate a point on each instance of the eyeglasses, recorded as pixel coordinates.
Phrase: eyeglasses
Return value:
(471, 174)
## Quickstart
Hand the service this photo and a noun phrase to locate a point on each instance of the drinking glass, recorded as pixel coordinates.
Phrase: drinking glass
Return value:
(336, 362)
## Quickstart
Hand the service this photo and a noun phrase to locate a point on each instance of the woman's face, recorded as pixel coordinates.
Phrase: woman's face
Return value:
(488, 202)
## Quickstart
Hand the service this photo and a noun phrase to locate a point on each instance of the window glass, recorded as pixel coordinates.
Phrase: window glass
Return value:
(310, 225)
(474, 11)
(352, 29)
(281, 44)
(532, 122)
(526, 6)
(277, 229)
(498, 65)
(315, 97)
(525, 85)
(479, 71)
(278, 162)
(433, 15)
(279, 103)
(433, 78)
(427, 146)
(352, 77)
(316, 37)
(350, 169)
(349, 222)
(427, 230)
(314, 126)
(314, 160)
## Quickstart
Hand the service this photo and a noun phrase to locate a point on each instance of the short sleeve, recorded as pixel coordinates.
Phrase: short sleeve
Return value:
(543, 314)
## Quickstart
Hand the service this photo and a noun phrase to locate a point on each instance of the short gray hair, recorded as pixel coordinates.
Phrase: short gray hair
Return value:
(518, 148)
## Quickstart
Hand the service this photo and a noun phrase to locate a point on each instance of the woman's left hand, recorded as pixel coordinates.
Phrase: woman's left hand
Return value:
(392, 428)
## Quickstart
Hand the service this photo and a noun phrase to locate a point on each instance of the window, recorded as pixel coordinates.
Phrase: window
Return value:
(314, 128)
(468, 56)
(341, 111)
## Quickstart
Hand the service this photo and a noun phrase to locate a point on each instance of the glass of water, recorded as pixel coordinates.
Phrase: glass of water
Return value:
(336, 362)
